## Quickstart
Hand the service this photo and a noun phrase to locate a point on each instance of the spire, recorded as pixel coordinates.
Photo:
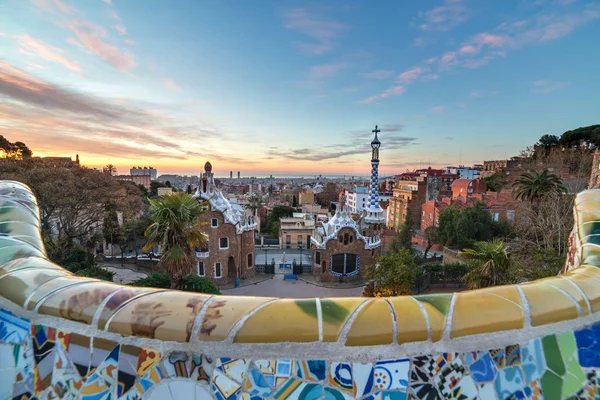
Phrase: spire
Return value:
(374, 210)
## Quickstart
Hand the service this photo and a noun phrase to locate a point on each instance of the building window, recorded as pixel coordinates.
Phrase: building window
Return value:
(249, 260)
(318, 257)
(200, 268)
(344, 264)
(423, 213)
(214, 222)
(345, 238)
(495, 217)
(299, 240)
(350, 238)
(218, 270)
(223, 243)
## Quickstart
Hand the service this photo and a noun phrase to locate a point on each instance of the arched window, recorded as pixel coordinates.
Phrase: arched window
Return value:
(249, 260)
(351, 236)
(318, 257)
(344, 264)
(345, 238)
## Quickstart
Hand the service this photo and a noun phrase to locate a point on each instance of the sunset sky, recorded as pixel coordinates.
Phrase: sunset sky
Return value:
(282, 87)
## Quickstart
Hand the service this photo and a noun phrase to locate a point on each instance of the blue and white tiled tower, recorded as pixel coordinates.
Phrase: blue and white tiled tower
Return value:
(374, 211)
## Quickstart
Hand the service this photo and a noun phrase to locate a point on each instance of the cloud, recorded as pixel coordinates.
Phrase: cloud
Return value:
(32, 46)
(393, 91)
(449, 138)
(109, 2)
(359, 144)
(170, 84)
(438, 109)
(321, 31)
(431, 77)
(129, 42)
(319, 72)
(121, 29)
(92, 36)
(445, 17)
(378, 74)
(41, 108)
(410, 75)
(543, 86)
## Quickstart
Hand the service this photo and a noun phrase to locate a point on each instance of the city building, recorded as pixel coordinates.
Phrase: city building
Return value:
(342, 247)
(406, 198)
(230, 174)
(229, 252)
(465, 188)
(59, 161)
(315, 210)
(238, 174)
(306, 196)
(137, 179)
(356, 199)
(295, 231)
(135, 171)
(463, 172)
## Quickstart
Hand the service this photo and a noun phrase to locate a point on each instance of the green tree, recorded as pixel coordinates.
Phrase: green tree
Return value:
(404, 238)
(587, 137)
(490, 264)
(533, 186)
(432, 235)
(110, 169)
(276, 214)
(175, 229)
(496, 182)
(395, 273)
(255, 202)
(461, 228)
(548, 142)
(16, 150)
(154, 185)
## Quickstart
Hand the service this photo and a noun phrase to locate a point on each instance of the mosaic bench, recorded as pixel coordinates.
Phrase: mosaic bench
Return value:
(63, 336)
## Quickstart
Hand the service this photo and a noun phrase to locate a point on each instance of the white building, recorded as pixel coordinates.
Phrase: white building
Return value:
(464, 172)
(356, 199)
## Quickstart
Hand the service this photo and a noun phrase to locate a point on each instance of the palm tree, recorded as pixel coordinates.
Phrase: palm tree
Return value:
(533, 186)
(175, 229)
(254, 203)
(490, 264)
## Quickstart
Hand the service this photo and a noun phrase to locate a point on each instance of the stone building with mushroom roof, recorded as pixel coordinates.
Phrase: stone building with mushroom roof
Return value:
(229, 252)
(343, 246)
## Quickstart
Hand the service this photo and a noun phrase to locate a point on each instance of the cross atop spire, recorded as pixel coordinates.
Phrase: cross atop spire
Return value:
(376, 131)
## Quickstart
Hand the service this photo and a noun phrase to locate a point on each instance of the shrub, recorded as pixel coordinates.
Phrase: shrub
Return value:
(191, 283)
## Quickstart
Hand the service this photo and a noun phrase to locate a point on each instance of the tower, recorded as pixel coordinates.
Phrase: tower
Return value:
(595, 175)
(373, 209)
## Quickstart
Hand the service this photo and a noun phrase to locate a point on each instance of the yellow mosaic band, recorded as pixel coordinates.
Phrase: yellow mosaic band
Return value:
(35, 285)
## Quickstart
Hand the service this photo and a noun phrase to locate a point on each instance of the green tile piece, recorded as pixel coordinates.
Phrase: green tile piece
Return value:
(440, 301)
(551, 386)
(308, 306)
(333, 312)
(574, 380)
(567, 344)
(553, 357)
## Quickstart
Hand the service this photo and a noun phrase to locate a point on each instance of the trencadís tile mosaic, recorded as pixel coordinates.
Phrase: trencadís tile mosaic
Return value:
(44, 362)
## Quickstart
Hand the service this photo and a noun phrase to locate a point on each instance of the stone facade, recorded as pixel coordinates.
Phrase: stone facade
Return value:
(237, 260)
(322, 268)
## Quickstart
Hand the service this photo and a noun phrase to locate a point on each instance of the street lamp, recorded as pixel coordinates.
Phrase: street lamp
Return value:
(300, 248)
(266, 250)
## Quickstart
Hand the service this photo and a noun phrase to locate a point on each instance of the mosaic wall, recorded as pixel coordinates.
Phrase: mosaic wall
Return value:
(47, 363)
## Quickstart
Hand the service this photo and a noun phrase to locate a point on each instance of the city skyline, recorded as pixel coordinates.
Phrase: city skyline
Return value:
(288, 88)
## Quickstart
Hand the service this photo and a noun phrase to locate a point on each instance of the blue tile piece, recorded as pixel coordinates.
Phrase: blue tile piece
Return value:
(510, 383)
(311, 370)
(12, 328)
(257, 384)
(484, 369)
(588, 346)
(392, 374)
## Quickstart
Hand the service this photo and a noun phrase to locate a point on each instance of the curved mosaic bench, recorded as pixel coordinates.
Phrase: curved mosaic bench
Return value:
(63, 336)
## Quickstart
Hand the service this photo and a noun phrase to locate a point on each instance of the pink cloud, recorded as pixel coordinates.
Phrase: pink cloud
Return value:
(121, 29)
(320, 30)
(445, 17)
(170, 84)
(63, 7)
(491, 39)
(468, 49)
(410, 75)
(109, 2)
(438, 109)
(378, 74)
(543, 86)
(129, 42)
(31, 46)
(91, 36)
(325, 71)
(393, 91)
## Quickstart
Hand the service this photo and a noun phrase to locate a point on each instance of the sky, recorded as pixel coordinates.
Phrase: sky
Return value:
(283, 87)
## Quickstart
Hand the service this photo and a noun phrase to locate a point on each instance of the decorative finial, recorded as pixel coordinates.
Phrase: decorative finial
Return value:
(208, 166)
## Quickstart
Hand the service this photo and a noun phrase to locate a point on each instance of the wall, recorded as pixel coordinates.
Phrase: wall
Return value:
(239, 248)
(451, 256)
(63, 336)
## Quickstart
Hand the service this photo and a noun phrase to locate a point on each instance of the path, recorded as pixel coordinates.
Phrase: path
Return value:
(277, 287)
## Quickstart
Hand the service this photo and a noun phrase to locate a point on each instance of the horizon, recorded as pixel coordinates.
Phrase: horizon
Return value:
(294, 90)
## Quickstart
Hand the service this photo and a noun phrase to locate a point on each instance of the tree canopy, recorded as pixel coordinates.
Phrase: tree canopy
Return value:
(16, 150)
(532, 186)
(394, 274)
(460, 228)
